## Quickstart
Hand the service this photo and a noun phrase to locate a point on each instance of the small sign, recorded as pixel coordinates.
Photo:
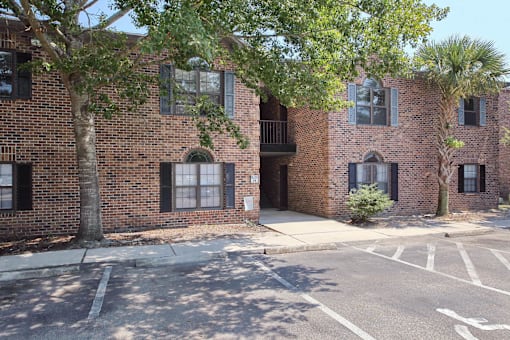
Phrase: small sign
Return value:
(248, 203)
(254, 179)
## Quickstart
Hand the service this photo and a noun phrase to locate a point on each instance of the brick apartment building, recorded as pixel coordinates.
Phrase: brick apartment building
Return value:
(153, 172)
(387, 137)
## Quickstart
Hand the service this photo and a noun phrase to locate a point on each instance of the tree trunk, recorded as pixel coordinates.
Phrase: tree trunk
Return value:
(91, 228)
(447, 111)
(442, 206)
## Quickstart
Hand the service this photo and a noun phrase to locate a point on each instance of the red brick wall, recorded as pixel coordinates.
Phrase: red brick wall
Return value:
(308, 170)
(129, 148)
(504, 151)
(411, 145)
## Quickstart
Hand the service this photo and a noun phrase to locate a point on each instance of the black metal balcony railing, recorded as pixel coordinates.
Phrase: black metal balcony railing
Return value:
(274, 132)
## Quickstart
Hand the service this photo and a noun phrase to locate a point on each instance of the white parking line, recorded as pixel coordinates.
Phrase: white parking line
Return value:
(497, 290)
(398, 252)
(501, 258)
(371, 248)
(101, 290)
(469, 265)
(431, 255)
(337, 317)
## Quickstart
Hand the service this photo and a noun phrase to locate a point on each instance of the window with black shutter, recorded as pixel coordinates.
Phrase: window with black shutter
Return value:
(471, 178)
(15, 186)
(15, 77)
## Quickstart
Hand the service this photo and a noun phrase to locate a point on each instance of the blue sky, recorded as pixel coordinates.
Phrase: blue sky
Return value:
(486, 20)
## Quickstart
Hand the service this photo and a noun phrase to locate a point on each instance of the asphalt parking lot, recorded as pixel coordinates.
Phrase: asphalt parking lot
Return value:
(408, 288)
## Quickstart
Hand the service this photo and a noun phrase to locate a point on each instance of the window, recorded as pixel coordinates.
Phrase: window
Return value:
(198, 184)
(373, 170)
(473, 111)
(471, 178)
(15, 81)
(189, 85)
(15, 187)
(373, 104)
(6, 186)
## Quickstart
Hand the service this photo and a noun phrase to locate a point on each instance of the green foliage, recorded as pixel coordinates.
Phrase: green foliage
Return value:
(462, 67)
(453, 143)
(367, 201)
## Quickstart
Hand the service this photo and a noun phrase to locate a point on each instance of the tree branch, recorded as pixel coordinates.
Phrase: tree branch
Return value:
(53, 51)
(84, 5)
(112, 19)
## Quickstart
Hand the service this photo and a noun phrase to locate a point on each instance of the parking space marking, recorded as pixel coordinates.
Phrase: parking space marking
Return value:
(101, 290)
(464, 332)
(431, 249)
(469, 265)
(497, 290)
(398, 252)
(328, 311)
(501, 258)
(371, 248)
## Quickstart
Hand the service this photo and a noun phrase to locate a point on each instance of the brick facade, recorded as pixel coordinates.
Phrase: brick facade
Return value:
(504, 151)
(130, 148)
(327, 143)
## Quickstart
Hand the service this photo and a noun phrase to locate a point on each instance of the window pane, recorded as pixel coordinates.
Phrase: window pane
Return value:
(210, 197)
(470, 177)
(5, 73)
(362, 95)
(210, 174)
(5, 198)
(186, 81)
(470, 118)
(469, 104)
(5, 174)
(382, 177)
(380, 116)
(379, 97)
(185, 198)
(362, 115)
(185, 175)
(210, 82)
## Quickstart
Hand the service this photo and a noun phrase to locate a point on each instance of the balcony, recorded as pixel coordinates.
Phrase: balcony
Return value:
(276, 138)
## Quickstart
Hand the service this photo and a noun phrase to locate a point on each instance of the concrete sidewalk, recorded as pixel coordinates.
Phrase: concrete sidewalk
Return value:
(291, 232)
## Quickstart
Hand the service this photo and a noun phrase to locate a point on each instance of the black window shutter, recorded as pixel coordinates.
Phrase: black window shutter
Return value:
(461, 178)
(23, 186)
(482, 178)
(165, 97)
(352, 176)
(165, 181)
(230, 192)
(24, 76)
(394, 182)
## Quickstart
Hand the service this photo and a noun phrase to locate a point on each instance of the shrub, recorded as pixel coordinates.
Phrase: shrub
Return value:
(367, 201)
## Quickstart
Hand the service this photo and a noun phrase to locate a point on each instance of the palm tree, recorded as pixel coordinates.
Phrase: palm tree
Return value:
(460, 67)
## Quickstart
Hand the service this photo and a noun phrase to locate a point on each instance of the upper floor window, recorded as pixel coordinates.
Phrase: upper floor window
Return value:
(182, 88)
(373, 104)
(15, 80)
(472, 111)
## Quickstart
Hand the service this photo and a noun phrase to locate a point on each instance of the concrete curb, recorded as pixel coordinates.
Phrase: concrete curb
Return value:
(174, 260)
(300, 248)
(38, 273)
(468, 233)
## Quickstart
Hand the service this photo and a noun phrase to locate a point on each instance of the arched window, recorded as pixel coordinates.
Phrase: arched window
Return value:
(372, 103)
(199, 156)
(373, 170)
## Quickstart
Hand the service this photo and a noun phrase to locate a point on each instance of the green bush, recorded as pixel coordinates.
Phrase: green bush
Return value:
(367, 201)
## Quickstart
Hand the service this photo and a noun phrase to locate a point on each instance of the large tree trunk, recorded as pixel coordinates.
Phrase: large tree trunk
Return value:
(91, 228)
(445, 153)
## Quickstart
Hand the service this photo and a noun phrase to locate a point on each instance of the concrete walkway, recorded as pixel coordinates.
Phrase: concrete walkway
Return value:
(291, 231)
